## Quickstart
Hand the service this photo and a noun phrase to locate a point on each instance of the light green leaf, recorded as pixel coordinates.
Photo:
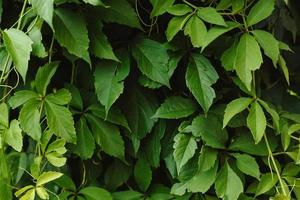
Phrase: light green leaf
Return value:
(228, 185)
(95, 193)
(247, 164)
(175, 107)
(229, 57)
(94, 2)
(23, 190)
(266, 182)
(272, 112)
(268, 43)
(216, 31)
(30, 119)
(47, 177)
(248, 59)
(256, 121)
(207, 159)
(152, 59)
(160, 7)
(60, 121)
(175, 25)
(184, 149)
(234, 107)
(42, 193)
(200, 76)
(109, 85)
(71, 33)
(44, 9)
(35, 34)
(179, 9)
(119, 11)
(13, 136)
(21, 97)
(29, 195)
(210, 15)
(196, 30)
(142, 174)
(107, 136)
(284, 68)
(18, 45)
(4, 115)
(100, 45)
(261, 10)
(60, 97)
(43, 77)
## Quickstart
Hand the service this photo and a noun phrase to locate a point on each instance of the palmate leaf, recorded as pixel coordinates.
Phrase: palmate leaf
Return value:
(199, 77)
(18, 45)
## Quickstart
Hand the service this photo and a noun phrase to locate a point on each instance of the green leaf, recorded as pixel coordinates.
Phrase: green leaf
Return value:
(18, 45)
(43, 77)
(248, 58)
(29, 195)
(127, 195)
(160, 7)
(211, 15)
(152, 59)
(71, 32)
(142, 174)
(60, 121)
(116, 174)
(44, 9)
(228, 185)
(94, 2)
(209, 128)
(196, 30)
(256, 121)
(268, 43)
(284, 69)
(30, 119)
(107, 136)
(100, 45)
(200, 76)
(47, 177)
(175, 25)
(119, 11)
(42, 193)
(179, 9)
(109, 84)
(247, 164)
(60, 97)
(85, 145)
(35, 34)
(175, 107)
(4, 121)
(234, 107)
(207, 159)
(229, 57)
(184, 149)
(21, 97)
(261, 10)
(272, 112)
(13, 136)
(95, 193)
(266, 182)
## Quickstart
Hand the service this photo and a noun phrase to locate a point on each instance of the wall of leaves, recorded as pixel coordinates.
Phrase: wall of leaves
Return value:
(149, 99)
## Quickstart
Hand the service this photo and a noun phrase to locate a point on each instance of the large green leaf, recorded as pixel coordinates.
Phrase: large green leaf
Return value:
(196, 30)
(247, 164)
(184, 149)
(228, 184)
(210, 15)
(175, 107)
(109, 85)
(21, 97)
(142, 174)
(95, 193)
(152, 59)
(44, 9)
(71, 33)
(261, 10)
(199, 77)
(43, 77)
(248, 58)
(266, 182)
(47, 177)
(13, 136)
(256, 121)
(18, 45)
(207, 159)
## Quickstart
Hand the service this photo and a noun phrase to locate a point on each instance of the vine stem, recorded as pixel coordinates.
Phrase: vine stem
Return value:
(188, 3)
(275, 166)
(21, 14)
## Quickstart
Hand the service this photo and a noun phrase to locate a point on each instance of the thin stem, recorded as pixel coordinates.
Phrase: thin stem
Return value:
(73, 73)
(22, 14)
(51, 49)
(188, 3)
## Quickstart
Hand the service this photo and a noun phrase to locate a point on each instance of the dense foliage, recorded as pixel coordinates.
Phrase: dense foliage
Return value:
(149, 99)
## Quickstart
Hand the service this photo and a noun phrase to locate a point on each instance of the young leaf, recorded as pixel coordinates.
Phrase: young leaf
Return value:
(13, 136)
(234, 107)
(199, 77)
(228, 185)
(248, 59)
(247, 164)
(44, 9)
(4, 121)
(184, 149)
(35, 34)
(211, 15)
(142, 174)
(268, 43)
(175, 107)
(256, 121)
(160, 7)
(47, 177)
(95, 193)
(196, 30)
(18, 45)
(71, 33)
(43, 77)
(261, 10)
(42, 193)
(152, 59)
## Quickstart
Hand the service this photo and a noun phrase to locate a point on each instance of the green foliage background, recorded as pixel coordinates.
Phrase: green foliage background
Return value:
(149, 99)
